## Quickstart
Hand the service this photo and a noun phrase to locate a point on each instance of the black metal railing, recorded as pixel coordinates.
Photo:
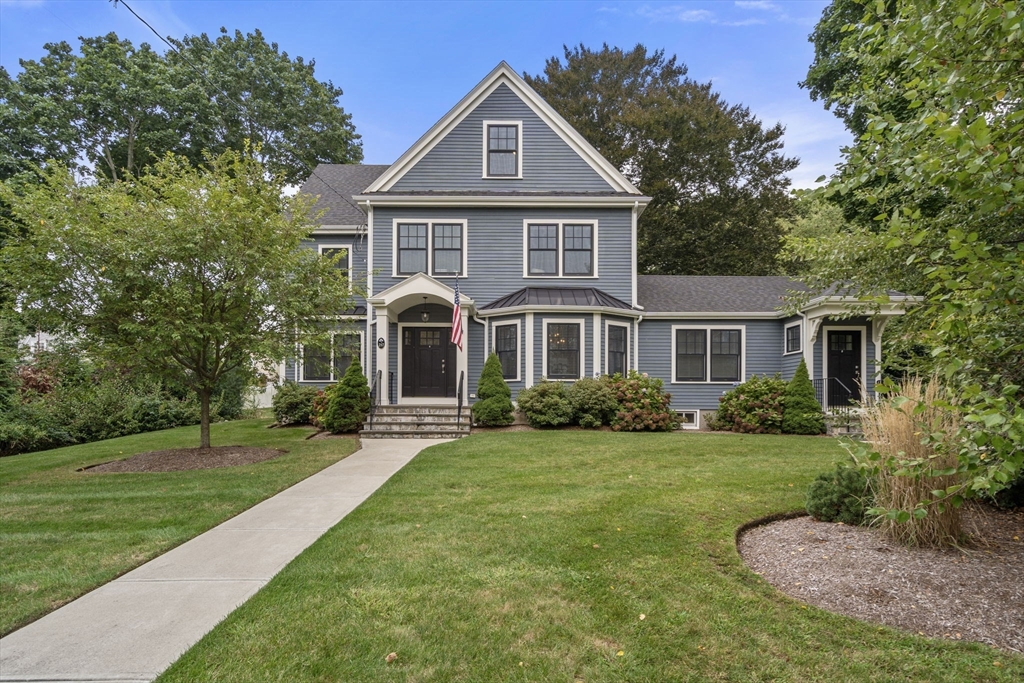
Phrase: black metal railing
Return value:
(458, 395)
(391, 388)
(833, 395)
(374, 398)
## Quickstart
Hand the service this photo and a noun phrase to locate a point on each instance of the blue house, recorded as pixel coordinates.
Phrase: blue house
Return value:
(539, 230)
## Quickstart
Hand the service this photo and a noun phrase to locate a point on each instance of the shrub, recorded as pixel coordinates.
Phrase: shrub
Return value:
(801, 413)
(293, 403)
(593, 402)
(1012, 496)
(643, 405)
(319, 407)
(348, 401)
(494, 407)
(838, 496)
(546, 404)
(753, 407)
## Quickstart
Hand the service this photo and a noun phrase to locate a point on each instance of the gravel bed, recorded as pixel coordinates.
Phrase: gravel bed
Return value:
(180, 459)
(974, 593)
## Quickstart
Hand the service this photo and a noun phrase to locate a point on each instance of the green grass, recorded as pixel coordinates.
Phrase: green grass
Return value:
(530, 557)
(63, 533)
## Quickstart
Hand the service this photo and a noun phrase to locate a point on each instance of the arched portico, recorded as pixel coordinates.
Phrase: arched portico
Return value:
(424, 364)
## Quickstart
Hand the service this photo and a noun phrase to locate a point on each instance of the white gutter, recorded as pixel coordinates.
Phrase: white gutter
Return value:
(520, 200)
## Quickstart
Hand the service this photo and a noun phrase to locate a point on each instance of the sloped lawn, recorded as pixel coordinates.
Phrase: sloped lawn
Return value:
(531, 556)
(63, 532)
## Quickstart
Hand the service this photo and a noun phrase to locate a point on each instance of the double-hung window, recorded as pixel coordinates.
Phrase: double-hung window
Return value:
(327, 363)
(437, 248)
(506, 345)
(562, 350)
(793, 338)
(707, 355)
(343, 264)
(618, 342)
(501, 149)
(560, 249)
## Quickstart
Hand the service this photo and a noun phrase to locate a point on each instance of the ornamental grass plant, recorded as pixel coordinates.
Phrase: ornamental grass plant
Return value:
(913, 463)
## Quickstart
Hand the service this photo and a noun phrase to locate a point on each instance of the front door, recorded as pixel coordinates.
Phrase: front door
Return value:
(428, 362)
(844, 359)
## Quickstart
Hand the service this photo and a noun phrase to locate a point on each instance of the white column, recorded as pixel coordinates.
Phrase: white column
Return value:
(462, 358)
(382, 352)
(597, 345)
(529, 349)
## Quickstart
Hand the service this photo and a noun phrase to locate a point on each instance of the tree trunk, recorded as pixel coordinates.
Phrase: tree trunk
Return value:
(204, 418)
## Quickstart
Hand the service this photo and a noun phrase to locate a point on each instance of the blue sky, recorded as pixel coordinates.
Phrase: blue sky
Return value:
(402, 65)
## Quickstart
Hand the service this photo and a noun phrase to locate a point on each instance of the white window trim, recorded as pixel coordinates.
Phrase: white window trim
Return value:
(430, 222)
(825, 329)
(707, 352)
(347, 246)
(519, 150)
(301, 370)
(608, 324)
(583, 346)
(696, 424)
(785, 336)
(561, 248)
(519, 345)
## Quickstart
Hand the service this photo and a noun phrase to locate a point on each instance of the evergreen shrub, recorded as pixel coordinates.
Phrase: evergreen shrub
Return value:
(348, 401)
(801, 413)
(494, 399)
(839, 496)
(753, 407)
(546, 404)
(593, 402)
(643, 404)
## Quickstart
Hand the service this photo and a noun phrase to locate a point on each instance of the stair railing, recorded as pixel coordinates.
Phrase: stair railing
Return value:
(374, 397)
(833, 395)
(458, 417)
(391, 387)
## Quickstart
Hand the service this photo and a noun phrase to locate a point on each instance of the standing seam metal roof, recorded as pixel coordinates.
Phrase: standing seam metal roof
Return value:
(557, 296)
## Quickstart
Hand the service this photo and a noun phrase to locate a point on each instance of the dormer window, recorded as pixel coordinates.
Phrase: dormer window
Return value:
(502, 149)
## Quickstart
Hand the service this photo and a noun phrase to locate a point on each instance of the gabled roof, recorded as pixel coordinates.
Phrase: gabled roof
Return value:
(557, 296)
(503, 74)
(711, 293)
(342, 181)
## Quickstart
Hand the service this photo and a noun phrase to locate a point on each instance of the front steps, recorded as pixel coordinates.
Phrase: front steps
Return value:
(417, 422)
(844, 424)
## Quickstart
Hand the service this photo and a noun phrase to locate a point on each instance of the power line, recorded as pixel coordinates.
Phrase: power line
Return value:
(202, 74)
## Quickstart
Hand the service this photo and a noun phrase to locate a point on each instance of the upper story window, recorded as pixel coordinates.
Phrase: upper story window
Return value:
(344, 262)
(560, 249)
(793, 338)
(434, 247)
(705, 354)
(502, 149)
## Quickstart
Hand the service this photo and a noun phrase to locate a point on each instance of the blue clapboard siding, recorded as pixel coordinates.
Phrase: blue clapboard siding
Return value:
(473, 342)
(357, 245)
(791, 361)
(457, 161)
(495, 249)
(762, 340)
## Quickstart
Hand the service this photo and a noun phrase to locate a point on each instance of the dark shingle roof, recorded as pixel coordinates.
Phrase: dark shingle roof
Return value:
(503, 193)
(707, 293)
(346, 180)
(557, 296)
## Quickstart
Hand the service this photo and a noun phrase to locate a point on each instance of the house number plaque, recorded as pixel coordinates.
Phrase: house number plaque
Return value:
(380, 343)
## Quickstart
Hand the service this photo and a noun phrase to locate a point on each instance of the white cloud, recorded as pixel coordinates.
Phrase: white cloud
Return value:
(676, 13)
(744, 22)
(758, 4)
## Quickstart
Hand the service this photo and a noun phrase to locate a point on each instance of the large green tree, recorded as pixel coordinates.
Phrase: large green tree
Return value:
(191, 273)
(944, 175)
(715, 173)
(113, 108)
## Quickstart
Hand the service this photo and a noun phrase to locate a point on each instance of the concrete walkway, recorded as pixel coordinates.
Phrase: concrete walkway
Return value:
(134, 627)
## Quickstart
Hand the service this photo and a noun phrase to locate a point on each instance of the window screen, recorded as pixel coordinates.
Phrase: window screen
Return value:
(506, 345)
(502, 150)
(564, 351)
(691, 346)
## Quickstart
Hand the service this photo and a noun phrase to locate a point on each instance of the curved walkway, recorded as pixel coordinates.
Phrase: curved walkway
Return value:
(134, 627)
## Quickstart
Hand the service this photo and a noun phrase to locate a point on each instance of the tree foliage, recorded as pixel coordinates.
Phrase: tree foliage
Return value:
(112, 108)
(944, 175)
(715, 173)
(191, 273)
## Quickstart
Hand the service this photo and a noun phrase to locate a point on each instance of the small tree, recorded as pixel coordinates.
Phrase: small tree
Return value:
(348, 401)
(801, 413)
(494, 407)
(189, 273)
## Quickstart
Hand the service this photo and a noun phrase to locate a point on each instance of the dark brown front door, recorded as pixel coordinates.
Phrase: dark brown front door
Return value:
(428, 362)
(844, 359)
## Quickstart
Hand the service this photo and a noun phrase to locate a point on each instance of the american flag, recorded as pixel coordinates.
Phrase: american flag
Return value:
(457, 318)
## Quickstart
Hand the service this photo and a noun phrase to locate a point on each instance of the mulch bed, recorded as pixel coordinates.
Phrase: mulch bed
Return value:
(181, 459)
(975, 593)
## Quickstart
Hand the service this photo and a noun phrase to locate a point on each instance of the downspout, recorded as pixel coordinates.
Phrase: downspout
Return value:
(636, 344)
(632, 250)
